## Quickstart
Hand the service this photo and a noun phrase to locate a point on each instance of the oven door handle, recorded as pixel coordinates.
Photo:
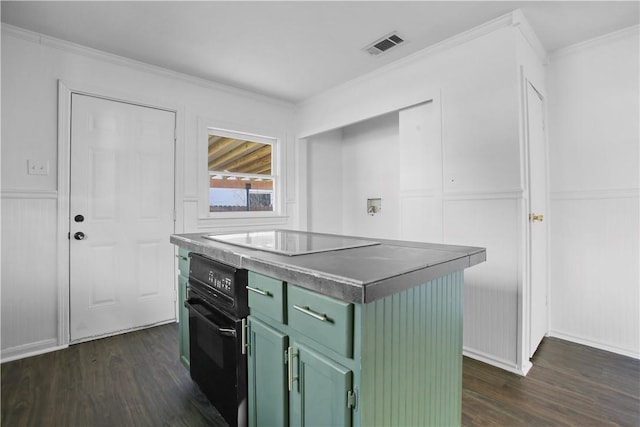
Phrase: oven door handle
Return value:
(229, 332)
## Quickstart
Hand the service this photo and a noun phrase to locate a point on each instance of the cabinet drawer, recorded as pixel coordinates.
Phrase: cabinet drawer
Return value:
(183, 262)
(266, 296)
(324, 319)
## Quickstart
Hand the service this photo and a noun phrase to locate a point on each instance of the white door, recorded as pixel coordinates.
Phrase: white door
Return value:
(537, 224)
(121, 215)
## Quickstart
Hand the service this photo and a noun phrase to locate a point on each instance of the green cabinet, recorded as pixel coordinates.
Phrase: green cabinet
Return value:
(321, 389)
(317, 361)
(295, 376)
(183, 313)
(268, 402)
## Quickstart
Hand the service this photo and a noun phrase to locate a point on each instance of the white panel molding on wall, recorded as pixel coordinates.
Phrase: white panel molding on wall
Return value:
(493, 317)
(21, 193)
(614, 193)
(596, 293)
(28, 259)
(595, 193)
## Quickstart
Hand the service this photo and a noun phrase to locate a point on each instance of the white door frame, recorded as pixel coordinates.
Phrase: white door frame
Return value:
(65, 90)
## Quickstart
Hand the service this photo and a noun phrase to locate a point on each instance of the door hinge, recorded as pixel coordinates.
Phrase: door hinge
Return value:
(352, 399)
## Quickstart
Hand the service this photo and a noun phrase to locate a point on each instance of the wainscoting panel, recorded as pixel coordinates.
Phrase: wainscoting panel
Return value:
(29, 272)
(491, 318)
(595, 261)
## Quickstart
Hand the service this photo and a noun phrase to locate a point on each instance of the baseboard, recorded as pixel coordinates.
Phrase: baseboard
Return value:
(31, 349)
(594, 344)
(124, 331)
(497, 362)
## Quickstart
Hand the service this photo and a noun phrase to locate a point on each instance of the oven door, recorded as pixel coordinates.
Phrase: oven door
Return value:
(217, 363)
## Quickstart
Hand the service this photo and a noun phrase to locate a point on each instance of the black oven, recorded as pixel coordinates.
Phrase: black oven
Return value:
(217, 303)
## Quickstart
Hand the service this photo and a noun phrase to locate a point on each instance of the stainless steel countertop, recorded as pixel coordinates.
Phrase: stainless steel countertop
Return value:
(358, 275)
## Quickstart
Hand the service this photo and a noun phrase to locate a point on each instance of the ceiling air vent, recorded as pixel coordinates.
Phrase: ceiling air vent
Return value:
(384, 44)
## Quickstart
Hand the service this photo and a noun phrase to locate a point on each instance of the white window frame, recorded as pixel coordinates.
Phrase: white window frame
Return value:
(209, 127)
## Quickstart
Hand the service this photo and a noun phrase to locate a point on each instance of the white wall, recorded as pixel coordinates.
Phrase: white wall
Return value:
(474, 188)
(594, 140)
(370, 164)
(31, 67)
(324, 182)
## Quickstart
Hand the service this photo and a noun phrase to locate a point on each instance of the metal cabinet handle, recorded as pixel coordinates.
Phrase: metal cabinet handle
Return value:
(320, 316)
(290, 377)
(184, 258)
(244, 342)
(259, 291)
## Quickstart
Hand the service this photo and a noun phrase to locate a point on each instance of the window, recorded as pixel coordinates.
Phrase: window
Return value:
(241, 172)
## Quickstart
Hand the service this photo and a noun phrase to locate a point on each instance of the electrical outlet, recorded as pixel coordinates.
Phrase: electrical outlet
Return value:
(38, 167)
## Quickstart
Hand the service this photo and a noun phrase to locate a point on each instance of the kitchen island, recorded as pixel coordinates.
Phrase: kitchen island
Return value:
(349, 331)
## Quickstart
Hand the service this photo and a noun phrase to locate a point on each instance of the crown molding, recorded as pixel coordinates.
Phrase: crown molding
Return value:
(520, 22)
(34, 37)
(595, 42)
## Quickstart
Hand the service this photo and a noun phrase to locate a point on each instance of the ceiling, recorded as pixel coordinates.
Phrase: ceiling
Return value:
(293, 50)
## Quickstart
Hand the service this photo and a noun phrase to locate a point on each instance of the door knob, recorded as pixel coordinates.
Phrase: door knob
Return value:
(79, 235)
(536, 217)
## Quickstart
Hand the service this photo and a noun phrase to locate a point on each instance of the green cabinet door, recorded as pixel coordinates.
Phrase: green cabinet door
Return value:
(183, 313)
(268, 403)
(183, 319)
(320, 392)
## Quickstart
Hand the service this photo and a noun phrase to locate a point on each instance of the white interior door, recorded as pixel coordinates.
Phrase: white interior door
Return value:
(121, 215)
(537, 224)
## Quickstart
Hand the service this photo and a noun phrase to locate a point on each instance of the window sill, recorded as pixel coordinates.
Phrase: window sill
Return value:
(246, 220)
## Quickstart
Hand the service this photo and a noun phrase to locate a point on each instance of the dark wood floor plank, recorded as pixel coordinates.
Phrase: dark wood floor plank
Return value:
(126, 380)
(136, 379)
(569, 384)
(599, 366)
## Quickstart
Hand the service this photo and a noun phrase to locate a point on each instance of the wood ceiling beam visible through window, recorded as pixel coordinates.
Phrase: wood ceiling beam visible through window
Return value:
(248, 163)
(219, 162)
(222, 163)
(219, 145)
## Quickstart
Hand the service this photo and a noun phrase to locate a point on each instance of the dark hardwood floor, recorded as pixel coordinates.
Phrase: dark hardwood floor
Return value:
(569, 385)
(135, 379)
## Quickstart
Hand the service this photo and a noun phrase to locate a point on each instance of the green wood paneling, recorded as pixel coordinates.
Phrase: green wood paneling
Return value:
(319, 396)
(268, 401)
(412, 356)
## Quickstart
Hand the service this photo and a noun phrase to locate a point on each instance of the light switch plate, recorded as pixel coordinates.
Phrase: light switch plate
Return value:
(38, 167)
